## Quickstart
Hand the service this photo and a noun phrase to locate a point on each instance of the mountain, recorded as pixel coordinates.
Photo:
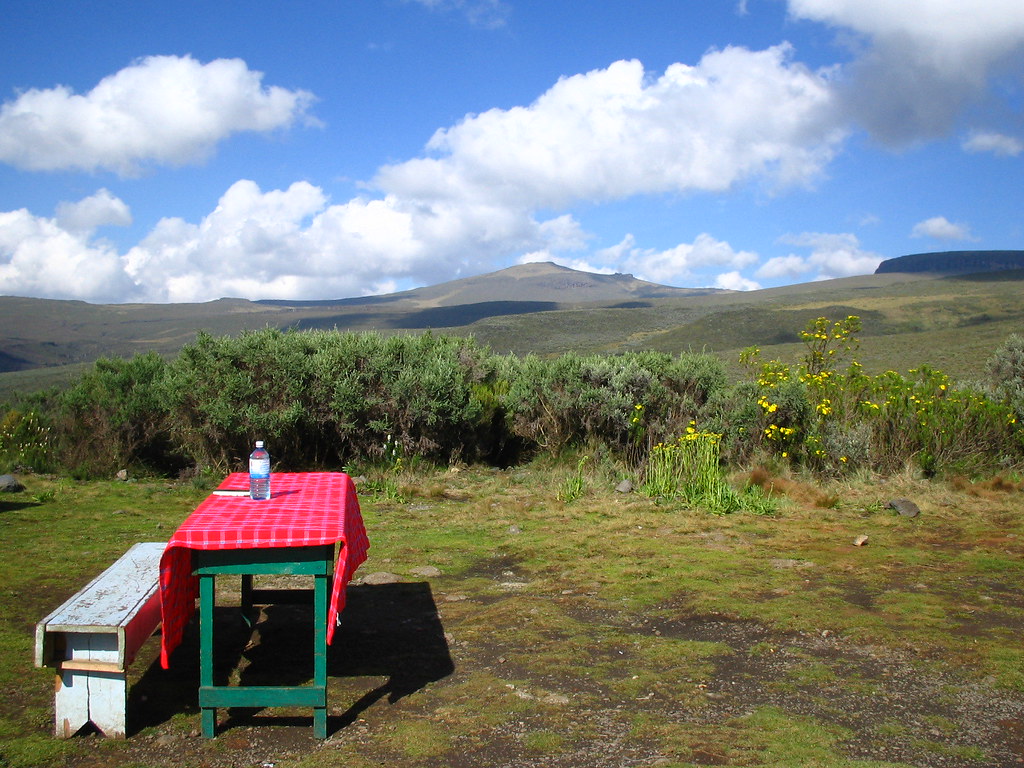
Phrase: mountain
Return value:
(954, 262)
(38, 333)
(535, 282)
(911, 318)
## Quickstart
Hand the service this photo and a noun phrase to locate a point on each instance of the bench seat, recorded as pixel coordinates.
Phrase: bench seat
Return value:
(93, 637)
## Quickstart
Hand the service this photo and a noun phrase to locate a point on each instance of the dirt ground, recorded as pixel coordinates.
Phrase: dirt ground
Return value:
(398, 665)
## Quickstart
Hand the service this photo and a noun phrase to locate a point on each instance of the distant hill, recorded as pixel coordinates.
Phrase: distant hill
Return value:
(947, 320)
(44, 333)
(954, 262)
(534, 282)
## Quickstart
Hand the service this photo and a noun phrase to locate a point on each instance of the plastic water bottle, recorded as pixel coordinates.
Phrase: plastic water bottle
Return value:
(259, 473)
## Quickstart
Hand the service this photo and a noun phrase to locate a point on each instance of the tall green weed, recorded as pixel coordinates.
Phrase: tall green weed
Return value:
(25, 442)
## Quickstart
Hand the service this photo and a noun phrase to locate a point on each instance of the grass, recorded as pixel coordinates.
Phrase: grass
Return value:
(612, 627)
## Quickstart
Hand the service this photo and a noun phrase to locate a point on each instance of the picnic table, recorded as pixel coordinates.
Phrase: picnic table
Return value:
(295, 532)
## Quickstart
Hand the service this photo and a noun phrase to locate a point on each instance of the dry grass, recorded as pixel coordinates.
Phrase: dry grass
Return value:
(611, 630)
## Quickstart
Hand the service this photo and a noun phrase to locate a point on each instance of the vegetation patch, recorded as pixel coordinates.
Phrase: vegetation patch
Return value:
(590, 560)
(615, 627)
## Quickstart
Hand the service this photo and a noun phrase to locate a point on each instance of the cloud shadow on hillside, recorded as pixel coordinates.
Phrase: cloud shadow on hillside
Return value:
(434, 317)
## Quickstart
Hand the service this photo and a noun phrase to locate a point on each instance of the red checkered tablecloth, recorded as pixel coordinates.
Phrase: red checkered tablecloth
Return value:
(305, 509)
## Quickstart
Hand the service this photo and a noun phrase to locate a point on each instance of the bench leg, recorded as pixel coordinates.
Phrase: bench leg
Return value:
(70, 703)
(91, 695)
(108, 696)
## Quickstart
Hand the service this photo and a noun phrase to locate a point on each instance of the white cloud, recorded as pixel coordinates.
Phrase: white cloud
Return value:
(785, 267)
(998, 144)
(677, 265)
(924, 59)
(832, 255)
(98, 210)
(471, 201)
(284, 244)
(161, 109)
(293, 244)
(39, 258)
(276, 244)
(564, 233)
(734, 281)
(617, 132)
(981, 23)
(941, 228)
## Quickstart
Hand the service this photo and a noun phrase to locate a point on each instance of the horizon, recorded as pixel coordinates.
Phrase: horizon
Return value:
(502, 269)
(316, 152)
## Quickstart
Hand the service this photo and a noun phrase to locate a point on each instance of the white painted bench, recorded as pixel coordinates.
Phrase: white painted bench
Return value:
(94, 636)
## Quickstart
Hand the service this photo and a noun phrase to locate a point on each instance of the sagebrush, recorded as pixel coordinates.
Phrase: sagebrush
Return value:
(329, 399)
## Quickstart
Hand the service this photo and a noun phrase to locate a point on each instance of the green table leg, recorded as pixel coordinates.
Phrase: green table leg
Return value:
(247, 592)
(315, 561)
(320, 599)
(207, 596)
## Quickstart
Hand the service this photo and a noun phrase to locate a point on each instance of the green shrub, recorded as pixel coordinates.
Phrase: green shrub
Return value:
(112, 418)
(435, 395)
(323, 398)
(573, 399)
(329, 399)
(222, 394)
(924, 419)
(1006, 373)
(831, 421)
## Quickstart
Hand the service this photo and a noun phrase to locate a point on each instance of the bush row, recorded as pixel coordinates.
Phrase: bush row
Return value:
(326, 399)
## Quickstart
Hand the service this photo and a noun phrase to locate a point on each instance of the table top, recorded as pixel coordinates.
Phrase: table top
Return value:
(304, 509)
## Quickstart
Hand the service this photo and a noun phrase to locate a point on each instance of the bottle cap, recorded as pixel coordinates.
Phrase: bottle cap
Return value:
(259, 443)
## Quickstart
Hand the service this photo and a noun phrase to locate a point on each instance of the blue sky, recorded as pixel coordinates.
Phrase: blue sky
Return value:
(154, 152)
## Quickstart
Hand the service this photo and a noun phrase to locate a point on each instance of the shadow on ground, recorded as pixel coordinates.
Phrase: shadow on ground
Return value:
(391, 631)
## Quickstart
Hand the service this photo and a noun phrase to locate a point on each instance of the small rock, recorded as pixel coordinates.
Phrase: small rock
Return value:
(515, 530)
(860, 541)
(905, 507)
(555, 698)
(10, 484)
(786, 562)
(626, 486)
(381, 577)
(426, 571)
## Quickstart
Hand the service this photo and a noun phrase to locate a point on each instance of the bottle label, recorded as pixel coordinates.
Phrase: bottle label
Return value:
(259, 467)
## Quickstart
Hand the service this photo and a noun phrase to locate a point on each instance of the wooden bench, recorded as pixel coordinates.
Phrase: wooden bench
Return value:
(94, 637)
